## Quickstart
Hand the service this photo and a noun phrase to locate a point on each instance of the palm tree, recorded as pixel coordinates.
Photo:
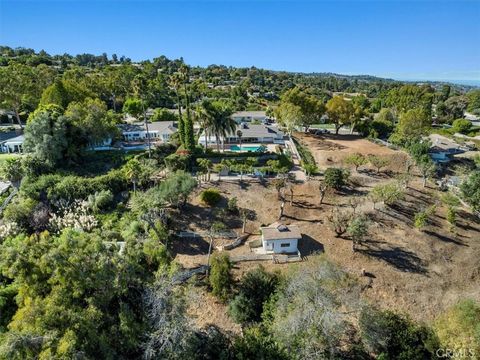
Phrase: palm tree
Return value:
(176, 83)
(206, 113)
(223, 124)
(133, 170)
(239, 135)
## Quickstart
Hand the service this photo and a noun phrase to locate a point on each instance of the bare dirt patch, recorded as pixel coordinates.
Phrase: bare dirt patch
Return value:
(330, 150)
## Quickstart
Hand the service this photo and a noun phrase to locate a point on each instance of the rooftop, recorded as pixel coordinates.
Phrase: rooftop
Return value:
(15, 140)
(260, 130)
(249, 113)
(159, 126)
(278, 231)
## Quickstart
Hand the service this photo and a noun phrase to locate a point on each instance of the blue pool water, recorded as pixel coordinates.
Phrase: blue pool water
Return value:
(244, 148)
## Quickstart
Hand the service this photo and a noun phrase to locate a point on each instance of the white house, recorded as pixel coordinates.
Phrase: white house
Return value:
(250, 133)
(158, 131)
(13, 145)
(278, 238)
(249, 116)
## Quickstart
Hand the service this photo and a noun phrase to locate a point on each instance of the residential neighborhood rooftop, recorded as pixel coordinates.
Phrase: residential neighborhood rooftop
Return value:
(159, 126)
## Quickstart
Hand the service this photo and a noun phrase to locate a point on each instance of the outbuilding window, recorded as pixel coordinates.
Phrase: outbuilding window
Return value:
(285, 245)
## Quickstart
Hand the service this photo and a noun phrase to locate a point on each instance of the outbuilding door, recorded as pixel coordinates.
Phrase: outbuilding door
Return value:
(270, 245)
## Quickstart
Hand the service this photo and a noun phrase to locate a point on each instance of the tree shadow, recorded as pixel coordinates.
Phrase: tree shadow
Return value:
(285, 216)
(444, 238)
(401, 259)
(190, 246)
(308, 246)
(305, 205)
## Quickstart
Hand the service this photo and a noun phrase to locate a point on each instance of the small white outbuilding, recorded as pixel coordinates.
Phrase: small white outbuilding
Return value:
(278, 238)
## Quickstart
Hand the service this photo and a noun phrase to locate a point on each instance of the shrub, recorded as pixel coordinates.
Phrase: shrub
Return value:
(210, 196)
(386, 193)
(220, 276)
(459, 327)
(232, 206)
(461, 126)
(256, 343)
(176, 162)
(421, 219)
(471, 190)
(336, 177)
(20, 211)
(392, 336)
(255, 289)
(101, 200)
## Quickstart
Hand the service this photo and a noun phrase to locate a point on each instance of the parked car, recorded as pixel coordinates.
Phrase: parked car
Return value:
(319, 131)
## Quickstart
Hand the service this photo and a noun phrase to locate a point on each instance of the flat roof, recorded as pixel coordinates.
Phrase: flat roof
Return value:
(278, 231)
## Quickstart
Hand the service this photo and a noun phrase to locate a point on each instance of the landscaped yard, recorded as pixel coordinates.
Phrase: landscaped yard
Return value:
(4, 157)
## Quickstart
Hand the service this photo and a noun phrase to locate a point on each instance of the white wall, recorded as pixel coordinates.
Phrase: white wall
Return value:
(277, 248)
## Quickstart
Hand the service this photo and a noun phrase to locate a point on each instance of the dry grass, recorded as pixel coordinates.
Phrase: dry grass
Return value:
(418, 272)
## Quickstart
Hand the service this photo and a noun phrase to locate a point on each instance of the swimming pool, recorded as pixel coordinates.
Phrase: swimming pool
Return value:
(245, 148)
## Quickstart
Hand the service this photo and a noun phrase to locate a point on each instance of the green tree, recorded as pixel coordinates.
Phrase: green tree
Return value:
(46, 136)
(13, 171)
(357, 229)
(413, 123)
(288, 115)
(470, 189)
(427, 168)
(461, 126)
(220, 277)
(83, 307)
(407, 97)
(336, 178)
(473, 97)
(255, 288)
(392, 336)
(339, 111)
(256, 343)
(19, 88)
(378, 162)
(162, 114)
(310, 108)
(133, 171)
(134, 107)
(386, 193)
(356, 160)
(92, 121)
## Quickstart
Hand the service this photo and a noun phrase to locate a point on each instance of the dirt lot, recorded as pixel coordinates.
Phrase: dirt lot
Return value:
(418, 272)
(331, 150)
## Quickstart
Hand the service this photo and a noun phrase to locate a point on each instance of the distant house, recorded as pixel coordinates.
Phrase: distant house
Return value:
(13, 145)
(249, 116)
(158, 131)
(278, 238)
(443, 149)
(250, 133)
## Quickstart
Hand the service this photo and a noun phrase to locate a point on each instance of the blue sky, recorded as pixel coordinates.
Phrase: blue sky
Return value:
(399, 39)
